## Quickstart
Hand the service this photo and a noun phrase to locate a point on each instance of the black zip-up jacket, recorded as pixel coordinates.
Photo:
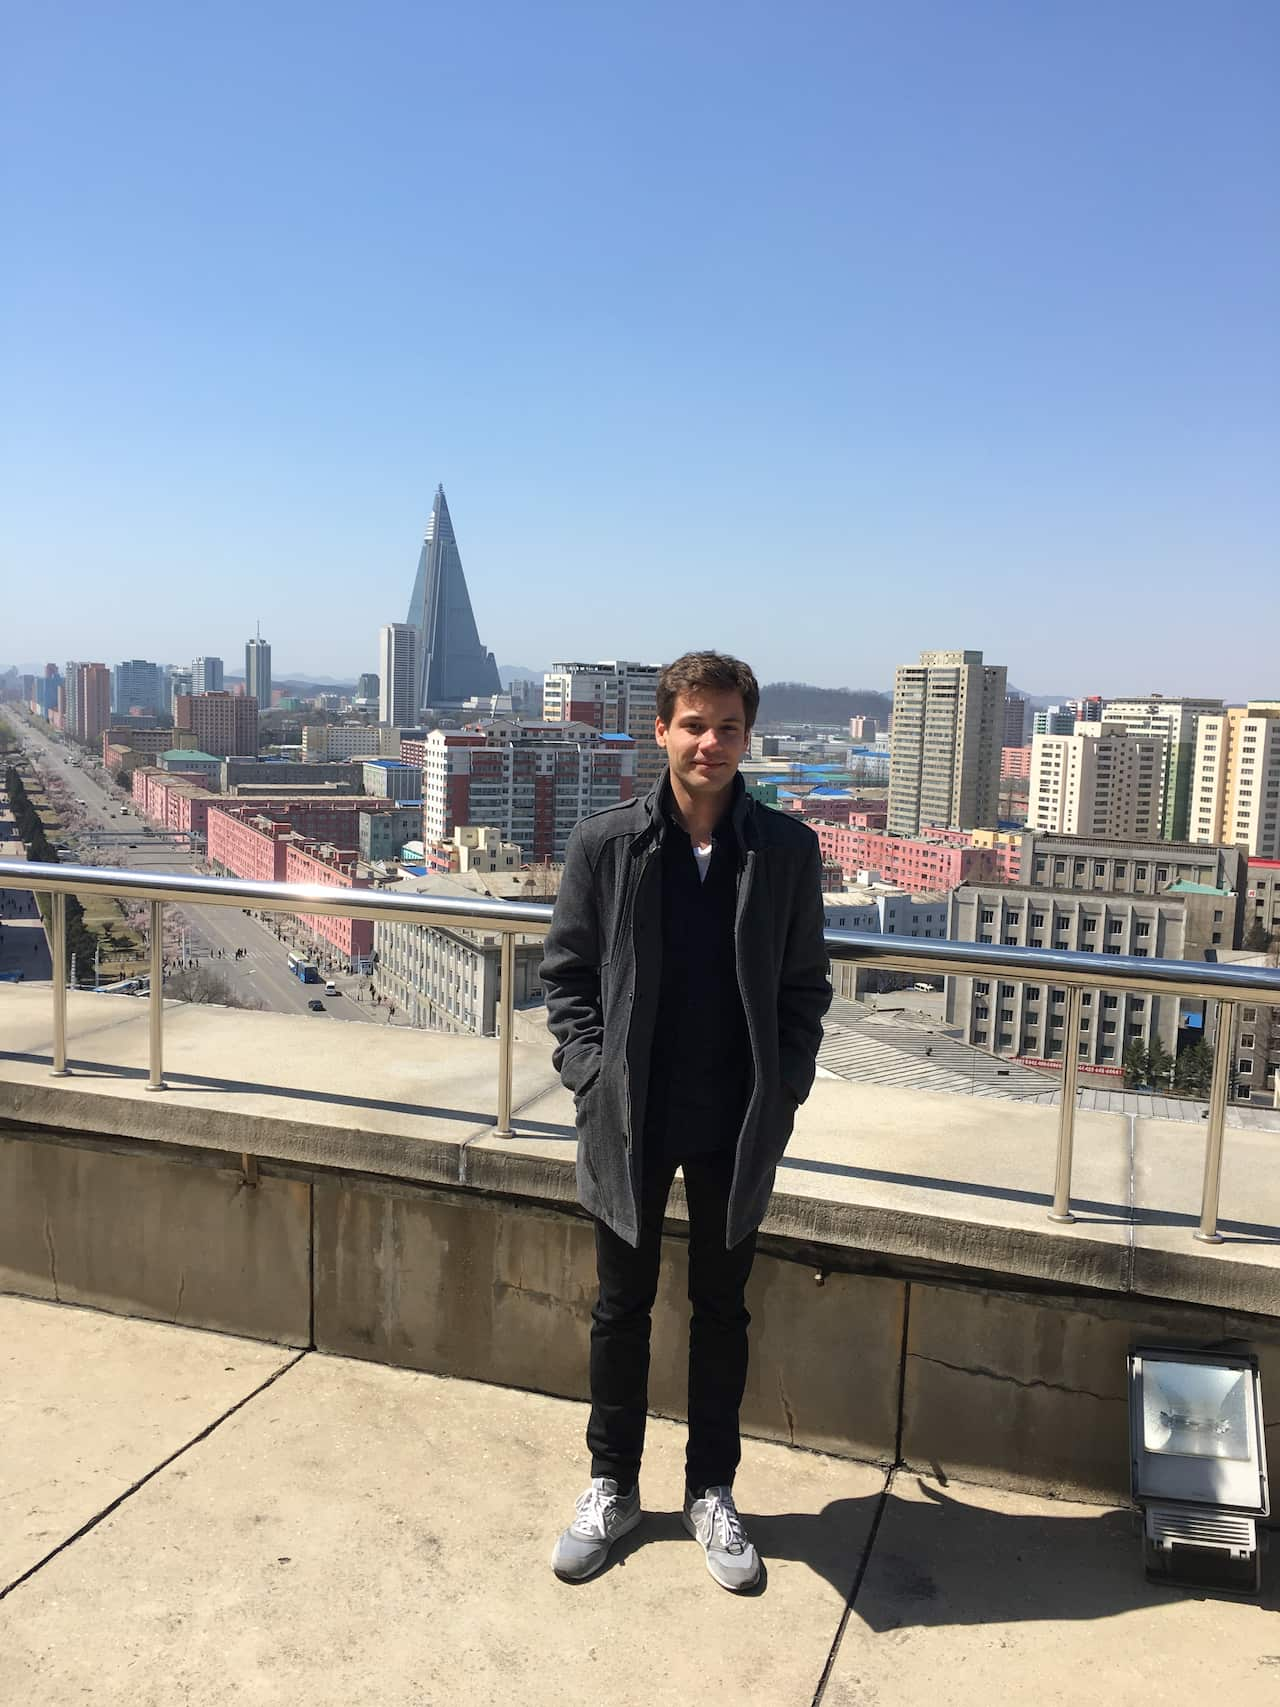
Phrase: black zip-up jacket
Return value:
(602, 971)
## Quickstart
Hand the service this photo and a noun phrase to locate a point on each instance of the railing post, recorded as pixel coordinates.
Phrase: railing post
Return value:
(1207, 1231)
(58, 931)
(1061, 1210)
(506, 1025)
(156, 998)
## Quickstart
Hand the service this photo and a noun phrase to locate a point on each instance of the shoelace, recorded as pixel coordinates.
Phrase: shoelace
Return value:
(722, 1513)
(592, 1511)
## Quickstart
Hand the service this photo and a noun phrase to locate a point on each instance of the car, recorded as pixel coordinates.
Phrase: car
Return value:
(316, 1006)
(331, 989)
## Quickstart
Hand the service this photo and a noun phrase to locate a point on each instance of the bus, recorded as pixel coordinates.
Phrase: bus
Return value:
(303, 968)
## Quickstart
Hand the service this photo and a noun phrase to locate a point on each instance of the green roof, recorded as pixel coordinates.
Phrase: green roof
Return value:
(1183, 888)
(189, 753)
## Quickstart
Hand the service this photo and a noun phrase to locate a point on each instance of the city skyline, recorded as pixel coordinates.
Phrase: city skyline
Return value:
(985, 355)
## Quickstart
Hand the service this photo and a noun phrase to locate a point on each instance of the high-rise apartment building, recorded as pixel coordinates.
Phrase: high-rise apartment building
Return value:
(178, 681)
(71, 696)
(453, 666)
(1176, 720)
(1087, 710)
(530, 781)
(614, 696)
(1015, 720)
(1054, 720)
(945, 741)
(137, 685)
(223, 724)
(93, 701)
(397, 673)
(1104, 780)
(86, 701)
(206, 676)
(257, 671)
(1235, 787)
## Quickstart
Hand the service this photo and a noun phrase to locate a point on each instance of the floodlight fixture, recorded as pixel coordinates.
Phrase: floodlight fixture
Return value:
(1199, 1465)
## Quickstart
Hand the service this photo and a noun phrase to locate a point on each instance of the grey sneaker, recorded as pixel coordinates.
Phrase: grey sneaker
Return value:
(602, 1516)
(713, 1520)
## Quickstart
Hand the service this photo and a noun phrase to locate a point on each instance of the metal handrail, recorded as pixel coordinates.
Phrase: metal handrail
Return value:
(1074, 970)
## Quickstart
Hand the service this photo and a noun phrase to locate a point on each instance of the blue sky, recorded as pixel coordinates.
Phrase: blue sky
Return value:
(822, 333)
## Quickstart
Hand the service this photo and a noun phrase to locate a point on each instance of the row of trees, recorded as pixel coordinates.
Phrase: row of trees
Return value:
(1151, 1064)
(81, 941)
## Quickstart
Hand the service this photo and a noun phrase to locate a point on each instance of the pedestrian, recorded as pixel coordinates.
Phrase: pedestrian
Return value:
(686, 981)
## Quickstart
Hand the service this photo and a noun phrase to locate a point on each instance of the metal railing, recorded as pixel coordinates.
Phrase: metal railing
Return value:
(1073, 970)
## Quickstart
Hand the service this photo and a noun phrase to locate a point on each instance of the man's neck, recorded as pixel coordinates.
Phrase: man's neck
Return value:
(699, 815)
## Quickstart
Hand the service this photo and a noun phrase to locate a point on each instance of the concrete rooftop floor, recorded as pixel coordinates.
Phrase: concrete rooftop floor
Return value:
(190, 1518)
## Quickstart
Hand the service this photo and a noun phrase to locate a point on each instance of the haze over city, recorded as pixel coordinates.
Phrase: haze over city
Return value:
(821, 342)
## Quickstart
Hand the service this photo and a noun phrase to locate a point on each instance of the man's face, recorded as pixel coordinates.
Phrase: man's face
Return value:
(704, 741)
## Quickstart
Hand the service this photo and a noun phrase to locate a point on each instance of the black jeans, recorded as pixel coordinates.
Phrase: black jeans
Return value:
(717, 1332)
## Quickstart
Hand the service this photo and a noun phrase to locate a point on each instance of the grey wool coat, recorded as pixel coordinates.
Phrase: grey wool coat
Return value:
(602, 971)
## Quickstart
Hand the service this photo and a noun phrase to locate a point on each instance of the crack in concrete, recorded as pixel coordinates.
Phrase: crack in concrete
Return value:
(789, 1413)
(84, 1529)
(1015, 1381)
(53, 1255)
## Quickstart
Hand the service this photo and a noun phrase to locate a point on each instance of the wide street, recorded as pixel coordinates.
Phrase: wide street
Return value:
(110, 832)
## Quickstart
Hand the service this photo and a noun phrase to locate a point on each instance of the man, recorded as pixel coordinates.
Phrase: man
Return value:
(686, 981)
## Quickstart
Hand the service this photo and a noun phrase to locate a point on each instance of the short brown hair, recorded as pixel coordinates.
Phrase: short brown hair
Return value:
(708, 672)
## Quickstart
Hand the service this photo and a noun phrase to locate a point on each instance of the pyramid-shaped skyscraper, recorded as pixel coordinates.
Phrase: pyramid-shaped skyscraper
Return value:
(452, 664)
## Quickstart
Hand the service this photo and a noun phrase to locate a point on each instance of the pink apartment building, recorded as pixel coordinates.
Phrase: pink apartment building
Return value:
(335, 868)
(916, 863)
(246, 839)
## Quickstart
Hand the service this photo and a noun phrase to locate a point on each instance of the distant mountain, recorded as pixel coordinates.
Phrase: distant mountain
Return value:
(799, 702)
(508, 673)
(1038, 701)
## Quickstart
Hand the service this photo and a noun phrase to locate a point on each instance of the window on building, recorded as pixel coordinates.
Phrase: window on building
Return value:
(981, 987)
(1099, 868)
(1244, 1064)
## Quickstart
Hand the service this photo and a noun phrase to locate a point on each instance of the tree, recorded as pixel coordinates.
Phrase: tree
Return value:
(201, 984)
(1193, 1070)
(1135, 1065)
(1257, 937)
(1159, 1063)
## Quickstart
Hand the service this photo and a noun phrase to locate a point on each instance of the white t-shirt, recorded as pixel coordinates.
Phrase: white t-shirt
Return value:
(703, 858)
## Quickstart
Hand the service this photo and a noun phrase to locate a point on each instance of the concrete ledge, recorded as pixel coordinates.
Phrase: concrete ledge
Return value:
(877, 1176)
(954, 1327)
(470, 1287)
(155, 1236)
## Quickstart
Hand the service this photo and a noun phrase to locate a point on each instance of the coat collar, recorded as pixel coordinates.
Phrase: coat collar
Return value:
(742, 815)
